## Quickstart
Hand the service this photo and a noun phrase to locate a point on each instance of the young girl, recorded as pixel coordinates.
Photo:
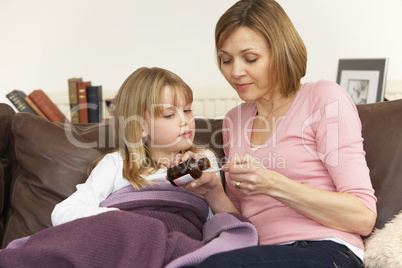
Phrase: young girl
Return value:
(147, 222)
(154, 128)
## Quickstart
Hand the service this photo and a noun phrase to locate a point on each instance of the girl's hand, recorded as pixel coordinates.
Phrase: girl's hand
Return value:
(205, 185)
(250, 177)
(183, 157)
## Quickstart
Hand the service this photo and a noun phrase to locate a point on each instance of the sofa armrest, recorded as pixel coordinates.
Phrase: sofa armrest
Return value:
(6, 162)
(52, 159)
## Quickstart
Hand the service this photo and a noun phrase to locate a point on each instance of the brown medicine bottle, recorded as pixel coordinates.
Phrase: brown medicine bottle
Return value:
(187, 171)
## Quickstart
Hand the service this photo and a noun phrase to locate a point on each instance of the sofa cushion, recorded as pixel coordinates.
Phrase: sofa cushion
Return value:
(382, 133)
(52, 160)
(6, 114)
(208, 134)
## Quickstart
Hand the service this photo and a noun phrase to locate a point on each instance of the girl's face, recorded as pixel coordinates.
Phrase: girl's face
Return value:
(245, 58)
(172, 131)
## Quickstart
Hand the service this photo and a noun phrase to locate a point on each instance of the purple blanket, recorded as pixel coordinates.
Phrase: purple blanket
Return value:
(159, 226)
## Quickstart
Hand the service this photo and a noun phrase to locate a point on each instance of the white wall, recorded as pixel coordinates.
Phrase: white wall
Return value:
(45, 42)
(348, 29)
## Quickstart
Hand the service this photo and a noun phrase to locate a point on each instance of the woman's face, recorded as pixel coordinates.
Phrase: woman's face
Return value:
(245, 58)
(173, 130)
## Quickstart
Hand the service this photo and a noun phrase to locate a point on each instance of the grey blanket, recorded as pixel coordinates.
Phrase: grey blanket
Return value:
(159, 226)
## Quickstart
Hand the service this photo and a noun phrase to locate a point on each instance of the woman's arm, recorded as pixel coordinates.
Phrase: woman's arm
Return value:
(340, 211)
(210, 186)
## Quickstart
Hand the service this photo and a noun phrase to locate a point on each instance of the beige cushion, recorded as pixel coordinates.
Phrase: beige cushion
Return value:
(384, 246)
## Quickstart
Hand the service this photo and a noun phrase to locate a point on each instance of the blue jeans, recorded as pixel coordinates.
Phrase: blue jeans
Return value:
(301, 254)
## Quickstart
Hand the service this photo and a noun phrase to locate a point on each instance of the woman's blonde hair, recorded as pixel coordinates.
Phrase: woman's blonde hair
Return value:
(267, 18)
(139, 93)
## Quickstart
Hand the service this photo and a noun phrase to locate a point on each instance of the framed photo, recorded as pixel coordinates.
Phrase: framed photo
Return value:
(363, 79)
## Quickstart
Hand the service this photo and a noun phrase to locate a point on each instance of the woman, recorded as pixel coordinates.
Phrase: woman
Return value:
(297, 167)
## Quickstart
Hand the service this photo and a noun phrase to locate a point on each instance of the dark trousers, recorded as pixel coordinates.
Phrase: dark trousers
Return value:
(301, 254)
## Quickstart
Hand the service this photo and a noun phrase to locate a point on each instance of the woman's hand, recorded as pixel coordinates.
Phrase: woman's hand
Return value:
(250, 177)
(205, 185)
(208, 185)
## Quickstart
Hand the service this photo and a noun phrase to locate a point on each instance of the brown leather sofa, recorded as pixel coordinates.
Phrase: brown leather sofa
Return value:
(41, 162)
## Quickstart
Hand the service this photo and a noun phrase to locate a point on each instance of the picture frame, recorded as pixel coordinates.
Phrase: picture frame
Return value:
(363, 79)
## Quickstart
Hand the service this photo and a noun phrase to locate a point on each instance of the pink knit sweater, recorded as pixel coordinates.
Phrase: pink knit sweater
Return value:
(317, 143)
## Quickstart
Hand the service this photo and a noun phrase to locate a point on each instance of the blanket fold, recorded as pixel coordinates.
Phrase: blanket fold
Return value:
(159, 226)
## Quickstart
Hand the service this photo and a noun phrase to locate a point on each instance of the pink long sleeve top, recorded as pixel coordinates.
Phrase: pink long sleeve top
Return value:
(317, 143)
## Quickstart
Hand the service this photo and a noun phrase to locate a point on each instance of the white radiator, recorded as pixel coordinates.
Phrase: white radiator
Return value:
(214, 102)
(210, 102)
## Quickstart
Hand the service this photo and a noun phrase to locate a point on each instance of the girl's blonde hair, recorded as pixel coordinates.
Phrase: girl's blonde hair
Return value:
(267, 18)
(139, 93)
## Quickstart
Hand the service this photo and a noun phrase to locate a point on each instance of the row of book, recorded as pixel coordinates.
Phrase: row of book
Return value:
(37, 102)
(85, 101)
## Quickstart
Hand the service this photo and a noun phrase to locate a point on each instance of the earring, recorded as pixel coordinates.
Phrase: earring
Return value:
(144, 140)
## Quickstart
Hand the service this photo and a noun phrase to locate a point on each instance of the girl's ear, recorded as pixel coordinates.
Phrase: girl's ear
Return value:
(144, 125)
(144, 133)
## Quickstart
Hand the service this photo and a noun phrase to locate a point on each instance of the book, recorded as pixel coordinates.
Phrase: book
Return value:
(95, 107)
(17, 99)
(47, 106)
(83, 100)
(109, 102)
(73, 98)
(34, 107)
